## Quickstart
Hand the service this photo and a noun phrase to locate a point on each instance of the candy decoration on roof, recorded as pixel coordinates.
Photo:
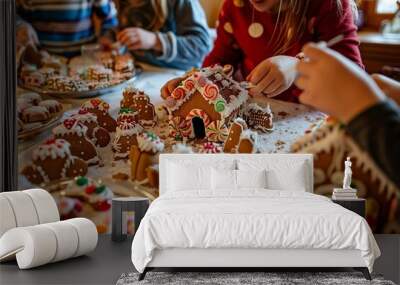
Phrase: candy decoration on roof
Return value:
(211, 92)
(178, 93)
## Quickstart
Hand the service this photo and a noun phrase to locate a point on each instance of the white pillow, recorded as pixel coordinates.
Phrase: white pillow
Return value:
(251, 179)
(185, 175)
(223, 179)
(282, 174)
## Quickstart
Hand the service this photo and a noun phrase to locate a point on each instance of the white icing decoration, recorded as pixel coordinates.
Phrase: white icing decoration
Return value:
(85, 118)
(182, 148)
(148, 144)
(50, 104)
(77, 129)
(58, 149)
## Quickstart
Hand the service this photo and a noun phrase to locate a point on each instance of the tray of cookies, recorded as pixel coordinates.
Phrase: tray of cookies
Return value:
(35, 115)
(88, 75)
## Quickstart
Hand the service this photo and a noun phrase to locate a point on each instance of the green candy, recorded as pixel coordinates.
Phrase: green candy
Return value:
(100, 189)
(81, 180)
(125, 110)
(219, 106)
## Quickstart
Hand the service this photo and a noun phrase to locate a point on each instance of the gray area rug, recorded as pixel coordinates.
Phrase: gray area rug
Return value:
(243, 278)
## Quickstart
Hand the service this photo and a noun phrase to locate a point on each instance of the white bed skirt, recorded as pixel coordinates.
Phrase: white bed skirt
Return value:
(190, 257)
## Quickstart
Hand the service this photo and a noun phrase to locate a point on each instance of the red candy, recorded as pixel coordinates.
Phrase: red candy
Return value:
(69, 123)
(211, 91)
(189, 84)
(178, 93)
(90, 189)
(102, 206)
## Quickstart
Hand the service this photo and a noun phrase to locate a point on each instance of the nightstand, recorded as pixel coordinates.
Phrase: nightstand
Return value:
(123, 206)
(355, 205)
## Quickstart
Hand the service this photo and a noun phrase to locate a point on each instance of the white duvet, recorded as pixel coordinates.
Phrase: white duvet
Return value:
(250, 219)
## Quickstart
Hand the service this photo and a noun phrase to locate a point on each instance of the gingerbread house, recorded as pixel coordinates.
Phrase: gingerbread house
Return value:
(204, 104)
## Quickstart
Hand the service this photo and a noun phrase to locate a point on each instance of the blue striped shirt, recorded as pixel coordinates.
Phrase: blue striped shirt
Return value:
(63, 26)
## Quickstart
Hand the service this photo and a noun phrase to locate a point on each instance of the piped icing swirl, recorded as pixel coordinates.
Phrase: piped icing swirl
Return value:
(150, 142)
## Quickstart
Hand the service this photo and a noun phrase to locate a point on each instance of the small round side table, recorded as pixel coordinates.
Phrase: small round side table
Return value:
(120, 206)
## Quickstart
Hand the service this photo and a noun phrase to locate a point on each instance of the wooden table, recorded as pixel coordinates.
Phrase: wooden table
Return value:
(378, 51)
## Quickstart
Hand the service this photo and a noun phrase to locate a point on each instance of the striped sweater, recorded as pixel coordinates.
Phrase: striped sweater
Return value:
(63, 26)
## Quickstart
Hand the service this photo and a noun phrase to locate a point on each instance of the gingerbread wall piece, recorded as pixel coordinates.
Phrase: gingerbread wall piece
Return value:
(53, 161)
(145, 154)
(330, 145)
(98, 135)
(81, 146)
(258, 118)
(235, 131)
(101, 109)
(214, 96)
(248, 142)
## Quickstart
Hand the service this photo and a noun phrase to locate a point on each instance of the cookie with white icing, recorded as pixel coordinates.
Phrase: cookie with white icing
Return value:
(53, 106)
(53, 161)
(101, 109)
(258, 118)
(140, 102)
(125, 138)
(98, 135)
(35, 114)
(81, 146)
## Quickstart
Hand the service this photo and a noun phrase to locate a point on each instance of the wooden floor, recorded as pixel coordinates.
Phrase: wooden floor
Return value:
(110, 260)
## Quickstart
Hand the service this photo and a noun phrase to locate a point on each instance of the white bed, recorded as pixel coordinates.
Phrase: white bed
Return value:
(205, 226)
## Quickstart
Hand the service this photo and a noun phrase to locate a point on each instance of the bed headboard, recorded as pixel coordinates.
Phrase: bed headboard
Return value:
(209, 159)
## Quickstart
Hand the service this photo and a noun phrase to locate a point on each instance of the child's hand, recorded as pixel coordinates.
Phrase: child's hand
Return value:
(390, 87)
(137, 38)
(334, 84)
(273, 75)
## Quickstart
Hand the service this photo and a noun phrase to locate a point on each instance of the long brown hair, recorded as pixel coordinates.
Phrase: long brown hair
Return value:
(292, 22)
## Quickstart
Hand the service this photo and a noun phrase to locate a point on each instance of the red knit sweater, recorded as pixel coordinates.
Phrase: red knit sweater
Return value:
(234, 44)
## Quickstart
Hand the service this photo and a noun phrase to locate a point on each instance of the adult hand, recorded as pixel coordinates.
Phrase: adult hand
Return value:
(137, 38)
(335, 85)
(26, 35)
(390, 87)
(273, 75)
